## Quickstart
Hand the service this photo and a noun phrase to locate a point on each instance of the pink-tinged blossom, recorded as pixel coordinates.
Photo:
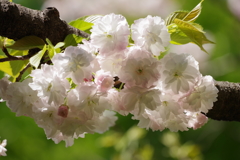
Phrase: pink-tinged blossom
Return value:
(201, 98)
(151, 33)
(110, 34)
(150, 119)
(74, 63)
(87, 97)
(104, 81)
(49, 85)
(3, 149)
(62, 128)
(21, 98)
(69, 140)
(89, 47)
(139, 69)
(116, 101)
(112, 63)
(134, 100)
(104, 121)
(196, 120)
(176, 123)
(85, 112)
(167, 114)
(172, 114)
(180, 72)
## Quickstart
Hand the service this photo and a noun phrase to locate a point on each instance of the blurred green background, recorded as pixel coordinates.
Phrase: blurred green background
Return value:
(217, 140)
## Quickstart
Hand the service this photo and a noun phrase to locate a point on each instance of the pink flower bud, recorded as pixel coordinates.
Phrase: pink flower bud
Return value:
(63, 111)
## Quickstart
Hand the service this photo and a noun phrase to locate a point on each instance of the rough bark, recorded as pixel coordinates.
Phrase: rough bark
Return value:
(227, 107)
(17, 21)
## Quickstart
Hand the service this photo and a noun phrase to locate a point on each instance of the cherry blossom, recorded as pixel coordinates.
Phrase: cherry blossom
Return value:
(110, 34)
(49, 85)
(21, 98)
(77, 94)
(151, 33)
(180, 72)
(2, 148)
(74, 63)
(139, 68)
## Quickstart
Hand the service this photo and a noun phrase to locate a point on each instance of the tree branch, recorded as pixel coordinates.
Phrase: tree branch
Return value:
(227, 107)
(18, 21)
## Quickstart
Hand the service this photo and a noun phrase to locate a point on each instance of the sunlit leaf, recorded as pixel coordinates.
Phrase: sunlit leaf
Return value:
(193, 33)
(5, 42)
(52, 50)
(17, 52)
(59, 45)
(92, 18)
(13, 68)
(35, 60)
(185, 15)
(177, 36)
(194, 13)
(81, 24)
(177, 14)
(26, 43)
(72, 84)
(72, 40)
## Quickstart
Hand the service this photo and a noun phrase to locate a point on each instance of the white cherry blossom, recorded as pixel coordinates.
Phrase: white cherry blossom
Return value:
(139, 68)
(21, 98)
(151, 33)
(48, 83)
(3, 148)
(203, 95)
(74, 63)
(180, 72)
(110, 34)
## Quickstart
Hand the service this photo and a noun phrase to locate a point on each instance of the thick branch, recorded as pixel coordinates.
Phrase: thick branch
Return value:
(17, 22)
(227, 107)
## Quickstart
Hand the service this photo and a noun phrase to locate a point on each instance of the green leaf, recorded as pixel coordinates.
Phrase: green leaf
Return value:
(195, 34)
(194, 13)
(72, 40)
(81, 24)
(92, 18)
(177, 36)
(59, 45)
(185, 15)
(72, 84)
(26, 43)
(49, 42)
(50, 48)
(4, 41)
(13, 68)
(35, 60)
(85, 23)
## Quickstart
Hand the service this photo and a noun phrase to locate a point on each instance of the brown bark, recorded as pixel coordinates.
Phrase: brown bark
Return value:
(17, 21)
(227, 107)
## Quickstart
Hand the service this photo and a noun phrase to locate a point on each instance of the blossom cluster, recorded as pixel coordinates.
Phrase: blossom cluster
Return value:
(77, 94)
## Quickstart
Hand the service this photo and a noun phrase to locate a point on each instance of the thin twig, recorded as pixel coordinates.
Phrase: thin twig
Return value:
(22, 71)
(6, 52)
(15, 58)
